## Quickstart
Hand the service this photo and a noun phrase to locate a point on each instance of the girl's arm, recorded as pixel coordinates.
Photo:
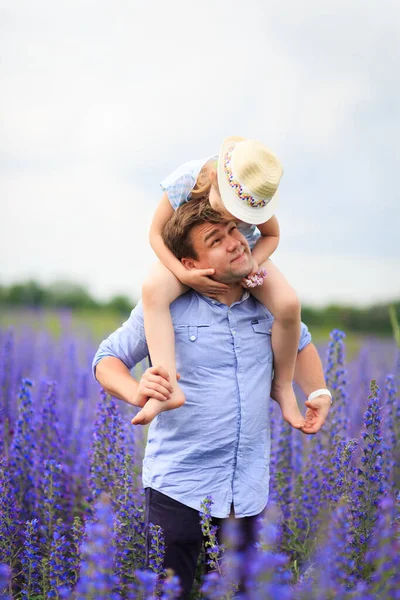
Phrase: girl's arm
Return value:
(268, 241)
(164, 212)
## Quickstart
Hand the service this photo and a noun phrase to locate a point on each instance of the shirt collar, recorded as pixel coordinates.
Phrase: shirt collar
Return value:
(214, 302)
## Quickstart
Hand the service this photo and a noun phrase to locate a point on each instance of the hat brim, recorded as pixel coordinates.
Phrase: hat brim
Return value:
(233, 204)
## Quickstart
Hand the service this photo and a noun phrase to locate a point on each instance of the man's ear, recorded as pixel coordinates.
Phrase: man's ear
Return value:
(188, 263)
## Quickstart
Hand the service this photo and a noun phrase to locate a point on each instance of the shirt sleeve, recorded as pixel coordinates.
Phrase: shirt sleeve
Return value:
(305, 337)
(128, 343)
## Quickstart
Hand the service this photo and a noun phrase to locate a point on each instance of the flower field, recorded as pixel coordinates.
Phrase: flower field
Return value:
(71, 503)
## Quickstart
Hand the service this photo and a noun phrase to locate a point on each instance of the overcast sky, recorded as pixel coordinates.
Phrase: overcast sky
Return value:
(101, 100)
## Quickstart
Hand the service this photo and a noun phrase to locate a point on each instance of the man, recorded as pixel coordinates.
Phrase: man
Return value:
(218, 442)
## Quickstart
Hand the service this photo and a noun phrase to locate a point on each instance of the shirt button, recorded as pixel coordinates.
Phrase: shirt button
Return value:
(233, 332)
(192, 338)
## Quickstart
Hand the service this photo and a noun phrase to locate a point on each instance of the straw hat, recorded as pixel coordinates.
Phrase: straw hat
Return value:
(248, 179)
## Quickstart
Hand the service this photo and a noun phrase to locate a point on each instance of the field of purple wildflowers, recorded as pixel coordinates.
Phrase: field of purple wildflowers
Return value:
(71, 503)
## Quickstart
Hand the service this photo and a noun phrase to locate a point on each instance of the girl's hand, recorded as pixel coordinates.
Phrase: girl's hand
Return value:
(255, 278)
(200, 280)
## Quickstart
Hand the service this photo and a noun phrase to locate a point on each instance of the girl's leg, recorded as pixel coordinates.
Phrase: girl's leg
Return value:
(281, 300)
(158, 292)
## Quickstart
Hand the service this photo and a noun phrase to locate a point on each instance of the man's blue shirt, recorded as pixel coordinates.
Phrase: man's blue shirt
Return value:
(218, 442)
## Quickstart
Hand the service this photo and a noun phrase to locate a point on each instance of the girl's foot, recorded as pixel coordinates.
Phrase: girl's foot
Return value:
(153, 407)
(284, 395)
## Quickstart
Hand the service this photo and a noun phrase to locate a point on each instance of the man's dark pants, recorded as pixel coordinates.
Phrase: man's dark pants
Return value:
(183, 536)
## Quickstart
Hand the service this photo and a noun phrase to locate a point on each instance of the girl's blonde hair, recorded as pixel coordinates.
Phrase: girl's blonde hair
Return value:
(202, 187)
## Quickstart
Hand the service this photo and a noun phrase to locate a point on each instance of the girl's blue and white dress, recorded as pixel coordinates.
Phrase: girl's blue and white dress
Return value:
(180, 183)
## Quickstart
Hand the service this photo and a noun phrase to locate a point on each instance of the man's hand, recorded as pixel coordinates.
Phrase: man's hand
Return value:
(316, 414)
(154, 383)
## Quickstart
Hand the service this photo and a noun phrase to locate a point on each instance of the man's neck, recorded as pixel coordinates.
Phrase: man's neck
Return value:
(233, 295)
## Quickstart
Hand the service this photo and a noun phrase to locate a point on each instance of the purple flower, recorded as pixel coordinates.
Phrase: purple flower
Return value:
(31, 561)
(97, 577)
(368, 485)
(77, 538)
(5, 580)
(344, 470)
(282, 481)
(129, 527)
(22, 452)
(10, 519)
(7, 389)
(146, 582)
(59, 563)
(108, 449)
(383, 554)
(391, 431)
(157, 548)
(213, 549)
(50, 500)
(171, 587)
(336, 379)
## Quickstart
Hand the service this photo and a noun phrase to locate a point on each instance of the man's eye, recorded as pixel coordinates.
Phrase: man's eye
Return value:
(215, 241)
(233, 228)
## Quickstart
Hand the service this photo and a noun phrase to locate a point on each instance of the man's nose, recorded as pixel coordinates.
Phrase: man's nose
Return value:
(233, 244)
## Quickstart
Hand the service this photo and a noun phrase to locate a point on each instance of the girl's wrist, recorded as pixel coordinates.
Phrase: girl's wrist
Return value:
(183, 276)
(260, 259)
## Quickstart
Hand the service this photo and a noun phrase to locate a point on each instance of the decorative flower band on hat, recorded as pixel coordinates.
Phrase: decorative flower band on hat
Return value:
(249, 200)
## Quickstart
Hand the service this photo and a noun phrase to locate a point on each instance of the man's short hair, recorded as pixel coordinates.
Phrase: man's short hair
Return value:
(176, 233)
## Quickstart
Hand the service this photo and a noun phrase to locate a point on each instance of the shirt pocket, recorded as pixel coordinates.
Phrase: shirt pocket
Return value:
(262, 329)
(192, 345)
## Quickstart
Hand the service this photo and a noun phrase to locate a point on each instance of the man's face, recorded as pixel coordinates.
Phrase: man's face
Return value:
(222, 247)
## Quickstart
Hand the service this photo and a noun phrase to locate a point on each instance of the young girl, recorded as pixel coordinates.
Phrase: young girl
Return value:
(242, 185)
